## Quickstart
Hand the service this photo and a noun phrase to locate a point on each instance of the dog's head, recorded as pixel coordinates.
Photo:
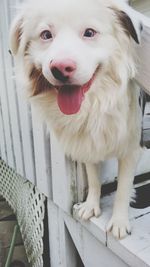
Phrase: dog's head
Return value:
(64, 45)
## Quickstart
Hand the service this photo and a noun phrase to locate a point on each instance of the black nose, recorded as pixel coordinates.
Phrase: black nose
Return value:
(58, 75)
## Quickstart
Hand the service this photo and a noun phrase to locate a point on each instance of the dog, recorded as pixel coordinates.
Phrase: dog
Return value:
(77, 63)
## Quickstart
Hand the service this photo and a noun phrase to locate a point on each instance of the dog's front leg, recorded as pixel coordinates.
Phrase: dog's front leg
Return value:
(119, 224)
(91, 207)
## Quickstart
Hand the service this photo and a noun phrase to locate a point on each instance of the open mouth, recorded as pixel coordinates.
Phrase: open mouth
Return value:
(70, 97)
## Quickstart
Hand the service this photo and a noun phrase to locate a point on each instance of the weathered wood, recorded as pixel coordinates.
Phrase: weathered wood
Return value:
(11, 96)
(3, 152)
(91, 250)
(27, 137)
(63, 177)
(130, 249)
(54, 236)
(62, 250)
(6, 134)
(135, 249)
(24, 144)
(41, 144)
(73, 258)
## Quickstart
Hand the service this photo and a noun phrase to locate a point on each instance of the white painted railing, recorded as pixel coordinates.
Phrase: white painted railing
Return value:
(24, 144)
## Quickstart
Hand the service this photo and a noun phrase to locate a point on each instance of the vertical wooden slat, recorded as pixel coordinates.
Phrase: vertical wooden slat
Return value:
(28, 142)
(54, 236)
(143, 51)
(24, 115)
(3, 151)
(41, 154)
(4, 99)
(27, 137)
(63, 177)
(11, 95)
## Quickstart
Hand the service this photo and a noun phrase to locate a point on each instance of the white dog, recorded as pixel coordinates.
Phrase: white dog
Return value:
(76, 60)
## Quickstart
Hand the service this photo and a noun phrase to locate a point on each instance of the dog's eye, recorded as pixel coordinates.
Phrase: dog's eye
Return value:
(46, 35)
(89, 33)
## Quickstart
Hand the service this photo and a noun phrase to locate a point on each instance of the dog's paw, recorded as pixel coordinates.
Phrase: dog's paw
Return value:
(88, 209)
(120, 227)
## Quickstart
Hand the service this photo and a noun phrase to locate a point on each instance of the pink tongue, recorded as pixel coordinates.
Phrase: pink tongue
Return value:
(70, 98)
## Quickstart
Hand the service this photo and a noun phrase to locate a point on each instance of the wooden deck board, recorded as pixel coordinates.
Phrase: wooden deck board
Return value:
(133, 250)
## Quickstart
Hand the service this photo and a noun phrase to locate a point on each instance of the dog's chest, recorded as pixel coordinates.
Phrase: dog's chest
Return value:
(93, 137)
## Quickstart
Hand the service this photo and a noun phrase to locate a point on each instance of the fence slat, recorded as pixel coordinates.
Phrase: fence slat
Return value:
(3, 152)
(64, 177)
(27, 137)
(12, 97)
(42, 157)
(5, 108)
(143, 51)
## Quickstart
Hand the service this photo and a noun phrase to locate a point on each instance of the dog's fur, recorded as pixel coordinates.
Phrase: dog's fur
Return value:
(108, 122)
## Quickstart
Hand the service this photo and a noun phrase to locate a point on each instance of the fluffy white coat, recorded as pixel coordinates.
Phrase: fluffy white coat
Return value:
(108, 122)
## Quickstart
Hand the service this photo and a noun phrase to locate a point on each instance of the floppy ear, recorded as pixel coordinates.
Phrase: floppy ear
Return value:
(128, 25)
(128, 19)
(15, 34)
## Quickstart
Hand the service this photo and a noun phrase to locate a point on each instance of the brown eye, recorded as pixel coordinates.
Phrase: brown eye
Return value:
(89, 33)
(46, 35)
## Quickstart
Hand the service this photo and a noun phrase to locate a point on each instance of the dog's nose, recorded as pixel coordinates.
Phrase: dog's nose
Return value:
(63, 70)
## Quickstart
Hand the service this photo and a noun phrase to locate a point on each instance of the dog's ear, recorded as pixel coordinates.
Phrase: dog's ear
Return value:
(15, 34)
(127, 25)
(129, 22)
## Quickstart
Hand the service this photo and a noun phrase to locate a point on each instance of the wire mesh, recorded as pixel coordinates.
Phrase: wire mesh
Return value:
(28, 205)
